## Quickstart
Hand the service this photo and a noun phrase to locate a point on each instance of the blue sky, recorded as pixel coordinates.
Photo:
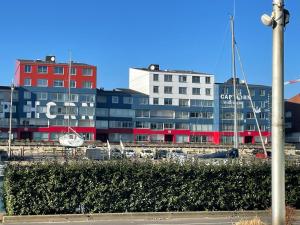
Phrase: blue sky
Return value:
(117, 34)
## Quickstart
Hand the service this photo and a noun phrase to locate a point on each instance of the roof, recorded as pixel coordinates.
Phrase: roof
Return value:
(239, 82)
(7, 87)
(122, 91)
(175, 71)
(39, 61)
(295, 99)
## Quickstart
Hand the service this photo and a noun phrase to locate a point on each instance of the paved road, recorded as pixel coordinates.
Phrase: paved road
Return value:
(177, 221)
(175, 218)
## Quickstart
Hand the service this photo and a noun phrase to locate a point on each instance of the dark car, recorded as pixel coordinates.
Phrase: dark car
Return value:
(116, 153)
(161, 154)
(232, 153)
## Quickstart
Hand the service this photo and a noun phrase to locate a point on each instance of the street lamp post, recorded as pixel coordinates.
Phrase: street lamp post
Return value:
(278, 20)
(10, 119)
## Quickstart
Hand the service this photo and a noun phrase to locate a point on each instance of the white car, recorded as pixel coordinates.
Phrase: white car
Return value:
(147, 153)
(129, 153)
(176, 154)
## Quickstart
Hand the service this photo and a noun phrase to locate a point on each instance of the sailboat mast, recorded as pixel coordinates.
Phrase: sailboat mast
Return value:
(235, 130)
(69, 91)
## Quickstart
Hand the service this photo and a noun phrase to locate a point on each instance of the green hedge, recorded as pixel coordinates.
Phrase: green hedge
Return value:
(125, 186)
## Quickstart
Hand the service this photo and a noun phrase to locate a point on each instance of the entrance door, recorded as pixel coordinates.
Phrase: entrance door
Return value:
(26, 135)
(101, 137)
(248, 139)
(168, 138)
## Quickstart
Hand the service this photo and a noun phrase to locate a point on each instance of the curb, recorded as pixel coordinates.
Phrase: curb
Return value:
(131, 216)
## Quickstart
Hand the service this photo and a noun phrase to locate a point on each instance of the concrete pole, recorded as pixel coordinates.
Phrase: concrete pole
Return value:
(278, 159)
(10, 119)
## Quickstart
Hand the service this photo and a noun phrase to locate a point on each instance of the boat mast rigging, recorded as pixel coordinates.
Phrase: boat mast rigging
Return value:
(235, 129)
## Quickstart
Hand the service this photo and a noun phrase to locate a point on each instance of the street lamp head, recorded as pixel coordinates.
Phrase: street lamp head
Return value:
(286, 16)
(267, 20)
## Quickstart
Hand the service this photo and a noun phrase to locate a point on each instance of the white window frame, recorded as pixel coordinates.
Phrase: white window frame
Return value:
(55, 85)
(42, 85)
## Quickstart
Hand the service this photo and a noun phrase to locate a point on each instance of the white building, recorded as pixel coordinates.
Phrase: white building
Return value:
(172, 87)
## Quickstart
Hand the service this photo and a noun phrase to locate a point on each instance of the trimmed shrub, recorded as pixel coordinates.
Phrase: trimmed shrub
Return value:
(125, 186)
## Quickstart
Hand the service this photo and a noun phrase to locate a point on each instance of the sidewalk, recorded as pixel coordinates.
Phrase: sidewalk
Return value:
(134, 216)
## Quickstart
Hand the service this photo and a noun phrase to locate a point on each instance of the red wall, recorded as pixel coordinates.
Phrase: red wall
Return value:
(50, 76)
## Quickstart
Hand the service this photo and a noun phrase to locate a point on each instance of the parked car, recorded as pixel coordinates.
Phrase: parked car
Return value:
(161, 154)
(96, 154)
(147, 153)
(176, 154)
(116, 153)
(129, 153)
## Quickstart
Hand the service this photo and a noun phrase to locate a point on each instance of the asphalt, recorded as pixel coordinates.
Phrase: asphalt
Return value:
(150, 218)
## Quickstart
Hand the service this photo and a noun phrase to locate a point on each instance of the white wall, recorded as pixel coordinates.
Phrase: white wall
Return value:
(142, 81)
(139, 80)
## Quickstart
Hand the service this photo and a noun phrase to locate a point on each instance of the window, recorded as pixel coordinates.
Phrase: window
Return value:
(101, 99)
(156, 126)
(182, 90)
(207, 91)
(87, 98)
(27, 82)
(182, 78)
(155, 77)
(142, 113)
(168, 78)
(121, 113)
(140, 124)
(155, 101)
(195, 79)
(42, 83)
(27, 108)
(168, 125)
(27, 68)
(288, 114)
(27, 95)
(262, 92)
(86, 84)
(250, 115)
(143, 101)
(252, 92)
(225, 90)
(87, 72)
(103, 112)
(250, 127)
(207, 80)
(168, 90)
(262, 115)
(58, 70)
(168, 101)
(41, 109)
(181, 115)
(58, 97)
(73, 71)
(86, 111)
(141, 137)
(196, 91)
(120, 124)
(155, 89)
(58, 83)
(73, 98)
(182, 126)
(42, 69)
(41, 96)
(115, 99)
(127, 100)
(183, 102)
(72, 84)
